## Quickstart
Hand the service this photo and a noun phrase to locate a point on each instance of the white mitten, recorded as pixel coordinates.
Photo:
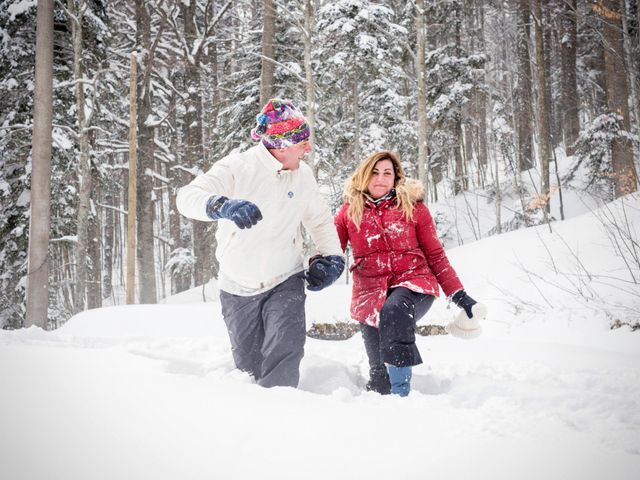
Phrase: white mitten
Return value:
(465, 327)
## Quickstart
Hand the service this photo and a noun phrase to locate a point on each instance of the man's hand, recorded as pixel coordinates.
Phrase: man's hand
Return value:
(323, 271)
(243, 213)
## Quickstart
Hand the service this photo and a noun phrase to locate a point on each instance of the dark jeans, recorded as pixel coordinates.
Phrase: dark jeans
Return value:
(268, 332)
(394, 341)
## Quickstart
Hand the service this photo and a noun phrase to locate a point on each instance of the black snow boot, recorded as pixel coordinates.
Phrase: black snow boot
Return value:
(379, 381)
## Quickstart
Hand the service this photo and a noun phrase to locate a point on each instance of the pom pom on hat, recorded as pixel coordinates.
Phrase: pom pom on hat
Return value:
(280, 125)
(261, 128)
(465, 327)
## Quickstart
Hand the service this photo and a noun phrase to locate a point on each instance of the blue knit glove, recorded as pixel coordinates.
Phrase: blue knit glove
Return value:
(464, 301)
(242, 212)
(323, 271)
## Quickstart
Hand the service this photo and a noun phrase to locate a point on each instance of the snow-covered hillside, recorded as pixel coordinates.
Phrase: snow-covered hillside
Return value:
(149, 391)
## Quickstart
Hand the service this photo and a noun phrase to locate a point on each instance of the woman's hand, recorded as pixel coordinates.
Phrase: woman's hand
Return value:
(464, 301)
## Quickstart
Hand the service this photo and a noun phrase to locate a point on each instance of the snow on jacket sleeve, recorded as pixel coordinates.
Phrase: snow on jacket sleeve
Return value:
(340, 222)
(432, 248)
(318, 221)
(191, 200)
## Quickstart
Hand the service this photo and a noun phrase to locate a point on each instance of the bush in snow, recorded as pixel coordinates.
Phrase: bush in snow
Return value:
(181, 263)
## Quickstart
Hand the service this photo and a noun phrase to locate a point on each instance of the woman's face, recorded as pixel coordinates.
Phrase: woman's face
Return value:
(382, 179)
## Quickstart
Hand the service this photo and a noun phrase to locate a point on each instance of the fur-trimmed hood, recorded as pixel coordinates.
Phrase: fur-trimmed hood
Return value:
(413, 188)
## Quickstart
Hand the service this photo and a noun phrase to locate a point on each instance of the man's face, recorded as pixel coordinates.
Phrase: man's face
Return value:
(290, 157)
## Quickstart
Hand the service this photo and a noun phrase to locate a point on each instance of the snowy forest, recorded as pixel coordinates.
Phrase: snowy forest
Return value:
(507, 103)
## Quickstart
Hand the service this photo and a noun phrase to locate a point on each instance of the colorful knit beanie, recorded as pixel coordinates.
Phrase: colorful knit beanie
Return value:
(280, 125)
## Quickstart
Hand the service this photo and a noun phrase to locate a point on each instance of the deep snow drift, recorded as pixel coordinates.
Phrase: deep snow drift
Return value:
(150, 391)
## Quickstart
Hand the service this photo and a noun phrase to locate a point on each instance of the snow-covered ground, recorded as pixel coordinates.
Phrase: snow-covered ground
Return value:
(548, 391)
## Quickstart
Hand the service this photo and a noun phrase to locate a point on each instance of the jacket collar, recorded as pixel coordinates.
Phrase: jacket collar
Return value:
(382, 201)
(267, 160)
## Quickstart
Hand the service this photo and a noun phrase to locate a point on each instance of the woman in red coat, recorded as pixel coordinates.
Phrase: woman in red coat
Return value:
(399, 267)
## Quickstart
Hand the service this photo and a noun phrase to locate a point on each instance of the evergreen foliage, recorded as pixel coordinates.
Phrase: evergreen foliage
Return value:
(592, 153)
(17, 44)
(203, 90)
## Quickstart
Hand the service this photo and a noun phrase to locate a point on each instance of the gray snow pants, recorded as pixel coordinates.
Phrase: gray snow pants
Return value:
(268, 332)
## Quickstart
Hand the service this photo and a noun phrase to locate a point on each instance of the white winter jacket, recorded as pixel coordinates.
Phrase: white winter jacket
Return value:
(257, 259)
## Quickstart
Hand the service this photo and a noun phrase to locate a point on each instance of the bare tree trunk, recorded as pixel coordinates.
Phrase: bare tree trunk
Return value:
(310, 86)
(498, 199)
(420, 66)
(434, 172)
(94, 245)
(162, 242)
(482, 100)
(468, 141)
(569, 85)
(109, 226)
(470, 110)
(356, 120)
(549, 10)
(94, 285)
(132, 182)
(460, 183)
(193, 147)
(214, 113)
(78, 8)
(595, 100)
(633, 62)
(523, 91)
(636, 55)
(543, 111)
(145, 212)
(268, 67)
(177, 230)
(625, 178)
(38, 266)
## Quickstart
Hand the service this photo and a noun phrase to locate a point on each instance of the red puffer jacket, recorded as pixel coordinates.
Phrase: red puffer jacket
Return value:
(389, 252)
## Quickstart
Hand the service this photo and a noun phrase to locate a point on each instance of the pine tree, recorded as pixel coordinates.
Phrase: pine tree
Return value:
(16, 56)
(361, 105)
(453, 75)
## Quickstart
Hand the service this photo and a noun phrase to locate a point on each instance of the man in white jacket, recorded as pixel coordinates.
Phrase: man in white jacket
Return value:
(262, 197)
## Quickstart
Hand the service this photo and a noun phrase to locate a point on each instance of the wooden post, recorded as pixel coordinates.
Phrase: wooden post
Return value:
(133, 155)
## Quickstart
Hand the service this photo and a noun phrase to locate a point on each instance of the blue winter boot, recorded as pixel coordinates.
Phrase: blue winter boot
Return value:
(400, 378)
